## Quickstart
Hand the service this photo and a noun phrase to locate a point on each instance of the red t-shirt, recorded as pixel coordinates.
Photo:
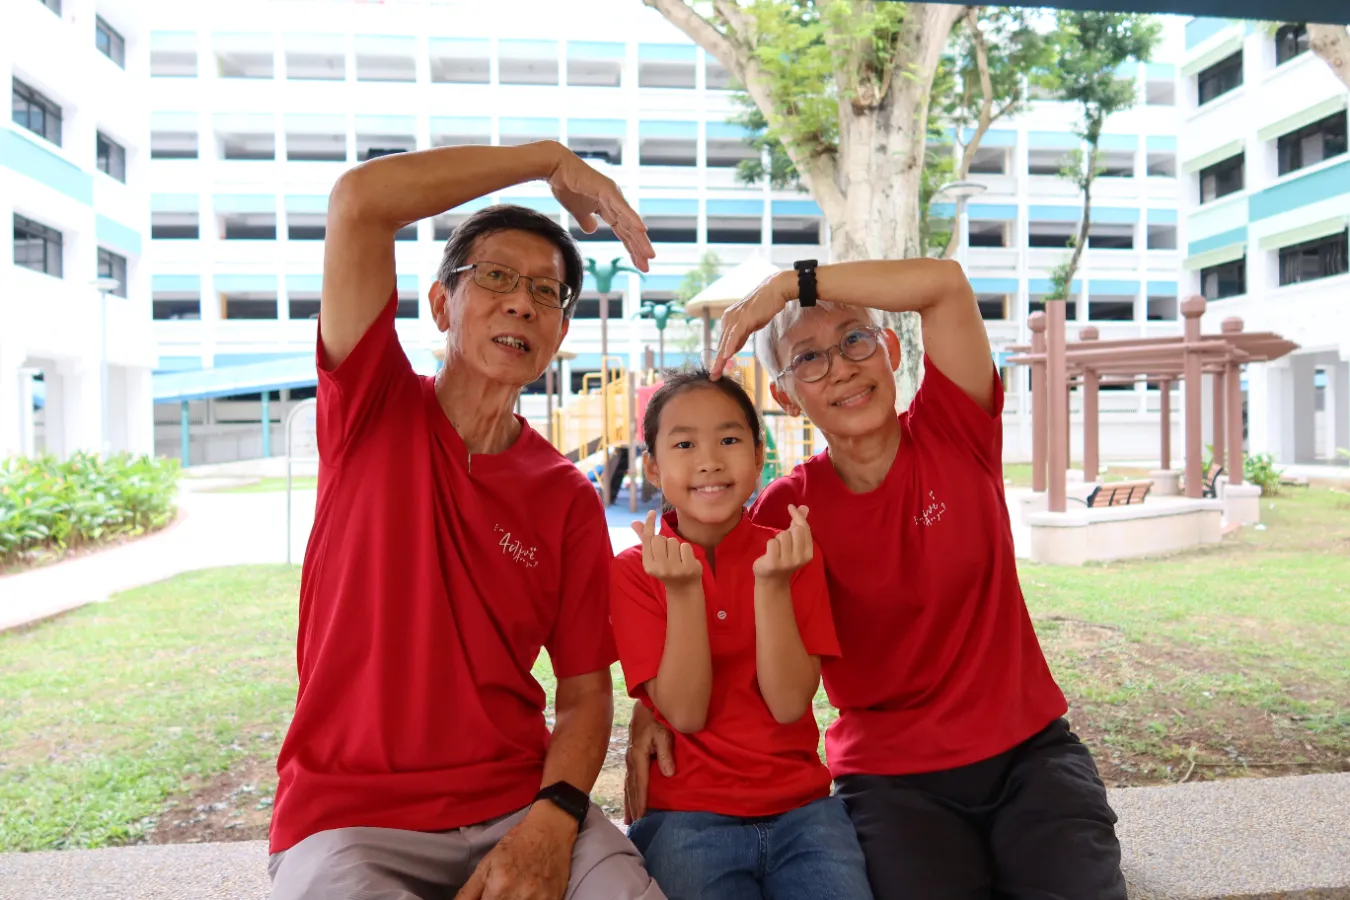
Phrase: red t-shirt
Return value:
(941, 666)
(743, 762)
(430, 584)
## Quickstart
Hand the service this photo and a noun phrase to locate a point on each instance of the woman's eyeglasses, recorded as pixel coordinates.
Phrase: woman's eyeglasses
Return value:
(503, 280)
(856, 345)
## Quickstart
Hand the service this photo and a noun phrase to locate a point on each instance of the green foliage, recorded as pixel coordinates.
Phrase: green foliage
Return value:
(1259, 469)
(50, 504)
(782, 174)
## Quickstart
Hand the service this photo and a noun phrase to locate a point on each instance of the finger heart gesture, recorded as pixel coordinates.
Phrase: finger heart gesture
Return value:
(670, 560)
(787, 551)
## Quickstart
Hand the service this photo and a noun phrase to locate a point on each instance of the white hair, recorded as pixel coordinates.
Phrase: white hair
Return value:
(768, 337)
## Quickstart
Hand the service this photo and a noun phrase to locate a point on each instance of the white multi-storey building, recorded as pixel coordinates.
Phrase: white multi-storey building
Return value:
(258, 106)
(75, 362)
(1266, 190)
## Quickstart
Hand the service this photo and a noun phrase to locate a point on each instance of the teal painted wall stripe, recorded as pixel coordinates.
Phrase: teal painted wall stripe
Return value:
(1042, 286)
(595, 50)
(668, 207)
(653, 283)
(1298, 192)
(511, 47)
(682, 130)
(1214, 242)
(407, 283)
(31, 159)
(1119, 142)
(666, 52)
(1162, 288)
(995, 137)
(304, 284)
(1052, 140)
(1162, 142)
(1162, 217)
(597, 127)
(1054, 213)
(1115, 215)
(796, 208)
(993, 212)
(1099, 287)
(540, 127)
(1198, 30)
(227, 284)
(116, 236)
(176, 284)
(735, 207)
(994, 285)
(727, 131)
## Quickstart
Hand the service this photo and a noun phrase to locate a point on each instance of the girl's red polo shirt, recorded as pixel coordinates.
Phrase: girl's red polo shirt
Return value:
(743, 762)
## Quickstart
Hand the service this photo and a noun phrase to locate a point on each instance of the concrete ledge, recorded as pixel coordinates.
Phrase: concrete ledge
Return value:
(1165, 525)
(1242, 504)
(1253, 839)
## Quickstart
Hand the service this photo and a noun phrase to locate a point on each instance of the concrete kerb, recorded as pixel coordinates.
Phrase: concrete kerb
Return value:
(1255, 839)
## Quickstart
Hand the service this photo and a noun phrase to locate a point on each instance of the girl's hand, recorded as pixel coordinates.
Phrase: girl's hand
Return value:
(787, 551)
(744, 317)
(670, 560)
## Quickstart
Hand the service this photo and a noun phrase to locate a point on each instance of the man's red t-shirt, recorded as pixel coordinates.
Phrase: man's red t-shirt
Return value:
(430, 584)
(743, 762)
(941, 666)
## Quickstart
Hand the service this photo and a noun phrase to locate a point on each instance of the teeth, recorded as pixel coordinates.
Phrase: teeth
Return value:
(507, 341)
(851, 399)
(711, 489)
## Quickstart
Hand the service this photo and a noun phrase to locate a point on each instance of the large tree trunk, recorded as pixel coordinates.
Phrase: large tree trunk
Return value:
(868, 190)
(1332, 43)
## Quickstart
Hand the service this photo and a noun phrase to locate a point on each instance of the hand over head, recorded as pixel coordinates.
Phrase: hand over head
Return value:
(746, 316)
(588, 195)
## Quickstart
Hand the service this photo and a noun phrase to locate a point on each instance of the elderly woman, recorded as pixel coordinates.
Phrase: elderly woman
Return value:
(951, 752)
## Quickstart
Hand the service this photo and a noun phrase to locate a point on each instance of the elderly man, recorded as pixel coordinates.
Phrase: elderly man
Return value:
(451, 543)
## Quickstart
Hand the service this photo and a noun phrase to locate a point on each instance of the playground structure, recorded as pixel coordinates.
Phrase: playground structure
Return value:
(1140, 524)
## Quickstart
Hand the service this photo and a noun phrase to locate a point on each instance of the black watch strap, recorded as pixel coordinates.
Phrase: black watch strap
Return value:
(571, 800)
(806, 281)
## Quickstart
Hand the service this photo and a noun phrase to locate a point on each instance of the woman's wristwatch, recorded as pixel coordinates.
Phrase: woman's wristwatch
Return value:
(806, 282)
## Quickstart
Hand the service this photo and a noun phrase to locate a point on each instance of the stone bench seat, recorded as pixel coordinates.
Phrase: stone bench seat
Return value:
(1254, 839)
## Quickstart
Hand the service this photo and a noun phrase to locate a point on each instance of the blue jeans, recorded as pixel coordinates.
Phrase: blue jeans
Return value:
(811, 853)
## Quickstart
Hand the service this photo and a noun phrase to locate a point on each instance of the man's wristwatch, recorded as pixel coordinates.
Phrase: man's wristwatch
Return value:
(806, 282)
(571, 800)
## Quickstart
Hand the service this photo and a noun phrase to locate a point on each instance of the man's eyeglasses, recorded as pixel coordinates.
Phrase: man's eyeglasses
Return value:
(856, 345)
(503, 280)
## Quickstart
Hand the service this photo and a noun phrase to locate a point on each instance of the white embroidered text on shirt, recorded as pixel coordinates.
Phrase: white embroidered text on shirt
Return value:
(932, 513)
(513, 548)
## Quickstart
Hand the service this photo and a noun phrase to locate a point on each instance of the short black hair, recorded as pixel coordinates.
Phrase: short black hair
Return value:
(510, 217)
(686, 380)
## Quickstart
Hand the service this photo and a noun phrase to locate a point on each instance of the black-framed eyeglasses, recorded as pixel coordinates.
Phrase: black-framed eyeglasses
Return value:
(857, 344)
(502, 279)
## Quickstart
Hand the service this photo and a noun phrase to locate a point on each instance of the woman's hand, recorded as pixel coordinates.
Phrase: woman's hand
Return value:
(588, 195)
(744, 317)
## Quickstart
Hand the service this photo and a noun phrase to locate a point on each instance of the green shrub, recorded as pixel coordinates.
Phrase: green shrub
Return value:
(48, 504)
(1259, 469)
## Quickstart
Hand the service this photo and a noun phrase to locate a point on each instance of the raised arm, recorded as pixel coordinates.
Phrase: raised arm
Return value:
(373, 200)
(954, 336)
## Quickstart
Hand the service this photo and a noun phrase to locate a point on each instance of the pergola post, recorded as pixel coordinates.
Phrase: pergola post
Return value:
(1220, 381)
(1091, 431)
(1233, 375)
(1057, 407)
(1165, 404)
(1036, 322)
(1192, 309)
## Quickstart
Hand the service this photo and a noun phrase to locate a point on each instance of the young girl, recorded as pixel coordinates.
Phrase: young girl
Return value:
(721, 625)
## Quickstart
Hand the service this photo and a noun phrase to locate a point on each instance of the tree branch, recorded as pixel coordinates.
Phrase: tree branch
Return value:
(1332, 43)
(972, 18)
(699, 30)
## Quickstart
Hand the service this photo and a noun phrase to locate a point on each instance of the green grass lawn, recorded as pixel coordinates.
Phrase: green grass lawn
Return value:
(159, 716)
(269, 485)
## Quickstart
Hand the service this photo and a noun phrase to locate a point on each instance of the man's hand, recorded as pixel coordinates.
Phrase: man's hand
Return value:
(787, 551)
(588, 195)
(646, 738)
(670, 560)
(532, 862)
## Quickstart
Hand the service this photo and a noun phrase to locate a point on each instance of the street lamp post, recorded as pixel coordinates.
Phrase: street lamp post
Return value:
(961, 192)
(604, 282)
(105, 287)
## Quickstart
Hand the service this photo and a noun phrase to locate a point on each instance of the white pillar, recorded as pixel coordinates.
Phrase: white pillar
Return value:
(11, 403)
(1303, 431)
(1338, 404)
(1260, 434)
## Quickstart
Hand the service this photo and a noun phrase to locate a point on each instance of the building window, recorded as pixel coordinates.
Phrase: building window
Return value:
(176, 63)
(37, 247)
(993, 307)
(1220, 78)
(248, 305)
(306, 227)
(259, 226)
(1312, 143)
(1225, 280)
(174, 226)
(588, 306)
(1159, 92)
(1110, 308)
(173, 305)
(1116, 164)
(109, 42)
(36, 112)
(1111, 236)
(1046, 162)
(1050, 234)
(110, 265)
(173, 145)
(1162, 165)
(112, 157)
(53, 5)
(990, 161)
(988, 234)
(1162, 308)
(1221, 179)
(1290, 41)
(1311, 260)
(715, 75)
(1162, 237)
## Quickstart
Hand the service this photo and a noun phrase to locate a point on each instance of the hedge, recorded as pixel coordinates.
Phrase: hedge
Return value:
(50, 505)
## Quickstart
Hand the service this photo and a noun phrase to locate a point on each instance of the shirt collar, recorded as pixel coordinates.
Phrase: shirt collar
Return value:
(735, 540)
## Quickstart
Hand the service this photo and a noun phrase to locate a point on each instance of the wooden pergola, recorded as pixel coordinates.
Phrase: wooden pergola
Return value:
(1090, 362)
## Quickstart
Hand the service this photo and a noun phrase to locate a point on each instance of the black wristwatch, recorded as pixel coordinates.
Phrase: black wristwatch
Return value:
(806, 281)
(571, 800)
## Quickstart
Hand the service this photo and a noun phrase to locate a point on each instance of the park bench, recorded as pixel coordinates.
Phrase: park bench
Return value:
(1118, 493)
(1238, 839)
(1209, 481)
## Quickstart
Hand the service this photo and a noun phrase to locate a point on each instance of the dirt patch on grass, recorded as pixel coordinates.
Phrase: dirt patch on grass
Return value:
(1159, 713)
(234, 806)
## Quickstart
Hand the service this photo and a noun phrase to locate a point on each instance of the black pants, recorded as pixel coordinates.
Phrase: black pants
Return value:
(1029, 824)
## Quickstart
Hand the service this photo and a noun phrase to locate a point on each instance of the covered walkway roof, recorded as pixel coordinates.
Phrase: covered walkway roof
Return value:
(255, 378)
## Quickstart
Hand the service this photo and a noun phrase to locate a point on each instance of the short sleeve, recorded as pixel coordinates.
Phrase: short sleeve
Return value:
(770, 508)
(638, 611)
(352, 395)
(811, 603)
(942, 409)
(582, 640)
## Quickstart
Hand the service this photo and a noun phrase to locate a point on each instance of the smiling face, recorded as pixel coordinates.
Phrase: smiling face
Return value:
(855, 398)
(506, 338)
(705, 460)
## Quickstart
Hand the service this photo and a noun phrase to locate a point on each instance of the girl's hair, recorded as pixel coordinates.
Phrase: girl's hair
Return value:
(677, 383)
